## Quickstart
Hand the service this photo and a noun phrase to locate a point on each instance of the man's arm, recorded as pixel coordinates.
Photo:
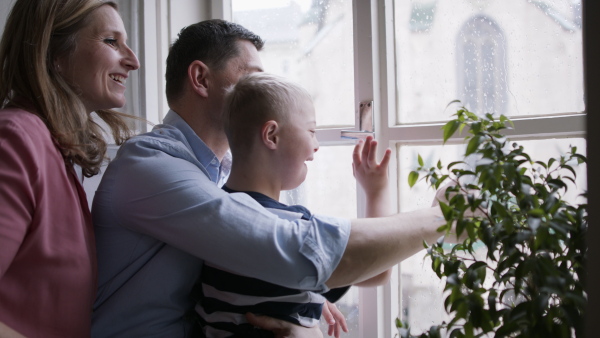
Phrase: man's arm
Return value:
(161, 193)
(151, 190)
(376, 244)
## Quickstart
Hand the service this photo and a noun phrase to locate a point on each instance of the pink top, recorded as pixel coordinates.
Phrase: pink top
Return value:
(47, 249)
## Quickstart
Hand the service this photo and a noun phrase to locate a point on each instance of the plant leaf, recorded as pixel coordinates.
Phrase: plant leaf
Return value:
(449, 129)
(412, 178)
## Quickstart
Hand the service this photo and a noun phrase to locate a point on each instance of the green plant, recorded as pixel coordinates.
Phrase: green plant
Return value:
(530, 282)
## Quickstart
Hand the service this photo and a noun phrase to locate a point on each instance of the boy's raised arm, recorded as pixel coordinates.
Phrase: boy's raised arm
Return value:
(373, 178)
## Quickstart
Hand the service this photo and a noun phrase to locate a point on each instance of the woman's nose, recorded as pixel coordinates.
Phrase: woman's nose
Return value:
(130, 60)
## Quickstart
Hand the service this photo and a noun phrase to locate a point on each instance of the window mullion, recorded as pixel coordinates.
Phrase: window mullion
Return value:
(572, 125)
(372, 41)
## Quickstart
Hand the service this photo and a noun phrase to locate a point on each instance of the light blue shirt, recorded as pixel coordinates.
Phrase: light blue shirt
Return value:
(159, 213)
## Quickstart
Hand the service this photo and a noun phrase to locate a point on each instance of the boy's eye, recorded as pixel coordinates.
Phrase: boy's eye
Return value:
(111, 42)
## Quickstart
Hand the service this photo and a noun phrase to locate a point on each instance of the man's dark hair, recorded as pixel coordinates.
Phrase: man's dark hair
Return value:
(212, 42)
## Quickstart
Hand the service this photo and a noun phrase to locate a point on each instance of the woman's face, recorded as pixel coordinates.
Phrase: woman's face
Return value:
(101, 61)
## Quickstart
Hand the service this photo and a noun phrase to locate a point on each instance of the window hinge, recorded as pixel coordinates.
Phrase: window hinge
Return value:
(366, 125)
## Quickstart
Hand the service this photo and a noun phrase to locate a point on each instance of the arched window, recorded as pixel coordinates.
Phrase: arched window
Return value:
(482, 66)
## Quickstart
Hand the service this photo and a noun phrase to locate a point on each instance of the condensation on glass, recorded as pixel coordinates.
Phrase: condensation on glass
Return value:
(511, 57)
(329, 189)
(422, 292)
(311, 43)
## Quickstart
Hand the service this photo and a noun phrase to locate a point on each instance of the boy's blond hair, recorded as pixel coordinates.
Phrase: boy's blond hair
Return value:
(256, 99)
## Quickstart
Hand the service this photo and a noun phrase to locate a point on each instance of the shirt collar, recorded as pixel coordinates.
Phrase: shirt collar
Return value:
(219, 171)
(268, 202)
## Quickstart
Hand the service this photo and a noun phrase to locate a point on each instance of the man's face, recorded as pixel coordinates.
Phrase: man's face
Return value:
(246, 62)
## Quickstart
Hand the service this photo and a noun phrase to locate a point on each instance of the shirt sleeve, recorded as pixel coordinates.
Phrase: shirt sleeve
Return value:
(169, 198)
(17, 173)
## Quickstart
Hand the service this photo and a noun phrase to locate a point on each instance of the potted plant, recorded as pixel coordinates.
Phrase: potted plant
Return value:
(530, 282)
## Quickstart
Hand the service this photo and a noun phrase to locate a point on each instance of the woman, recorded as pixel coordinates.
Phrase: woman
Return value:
(60, 61)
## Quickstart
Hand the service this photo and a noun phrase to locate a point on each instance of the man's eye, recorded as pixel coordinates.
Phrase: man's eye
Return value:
(111, 42)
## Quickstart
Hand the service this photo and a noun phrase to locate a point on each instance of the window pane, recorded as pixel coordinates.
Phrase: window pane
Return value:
(330, 189)
(309, 42)
(127, 10)
(509, 57)
(422, 291)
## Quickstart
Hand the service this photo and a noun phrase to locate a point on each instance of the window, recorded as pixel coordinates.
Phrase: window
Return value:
(522, 59)
(312, 44)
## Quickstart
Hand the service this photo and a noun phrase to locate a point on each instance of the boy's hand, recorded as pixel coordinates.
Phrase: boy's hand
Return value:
(335, 319)
(372, 176)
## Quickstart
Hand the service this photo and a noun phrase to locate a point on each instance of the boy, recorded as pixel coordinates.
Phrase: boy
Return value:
(270, 125)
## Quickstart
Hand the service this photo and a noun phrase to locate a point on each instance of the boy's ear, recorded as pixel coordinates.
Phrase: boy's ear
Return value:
(269, 134)
(198, 77)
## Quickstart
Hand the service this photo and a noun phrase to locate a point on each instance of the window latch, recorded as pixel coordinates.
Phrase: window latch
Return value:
(366, 125)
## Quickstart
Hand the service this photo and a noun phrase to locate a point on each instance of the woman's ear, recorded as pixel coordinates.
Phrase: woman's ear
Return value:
(269, 134)
(60, 63)
(198, 77)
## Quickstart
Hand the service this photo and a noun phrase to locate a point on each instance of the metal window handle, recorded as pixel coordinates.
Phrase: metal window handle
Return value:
(365, 122)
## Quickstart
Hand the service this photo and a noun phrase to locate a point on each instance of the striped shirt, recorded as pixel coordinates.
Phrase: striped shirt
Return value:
(227, 297)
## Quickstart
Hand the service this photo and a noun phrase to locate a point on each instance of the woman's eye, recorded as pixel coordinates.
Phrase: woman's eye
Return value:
(111, 42)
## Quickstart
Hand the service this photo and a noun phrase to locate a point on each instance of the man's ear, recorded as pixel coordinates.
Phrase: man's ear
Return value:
(269, 134)
(198, 77)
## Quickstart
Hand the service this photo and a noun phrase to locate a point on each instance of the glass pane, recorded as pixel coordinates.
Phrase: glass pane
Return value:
(422, 291)
(509, 57)
(127, 10)
(309, 42)
(5, 7)
(330, 189)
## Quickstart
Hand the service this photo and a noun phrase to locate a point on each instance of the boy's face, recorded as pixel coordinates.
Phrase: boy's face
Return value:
(298, 145)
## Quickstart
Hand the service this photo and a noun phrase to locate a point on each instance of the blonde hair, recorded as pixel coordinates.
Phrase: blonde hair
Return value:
(256, 99)
(37, 32)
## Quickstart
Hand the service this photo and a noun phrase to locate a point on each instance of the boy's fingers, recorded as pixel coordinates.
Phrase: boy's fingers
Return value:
(366, 148)
(373, 153)
(344, 325)
(327, 315)
(357, 152)
(386, 158)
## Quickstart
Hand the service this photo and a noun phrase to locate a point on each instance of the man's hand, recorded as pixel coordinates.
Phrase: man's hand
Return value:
(335, 319)
(440, 195)
(283, 329)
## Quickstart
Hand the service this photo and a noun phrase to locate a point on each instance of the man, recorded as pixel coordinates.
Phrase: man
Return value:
(159, 211)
